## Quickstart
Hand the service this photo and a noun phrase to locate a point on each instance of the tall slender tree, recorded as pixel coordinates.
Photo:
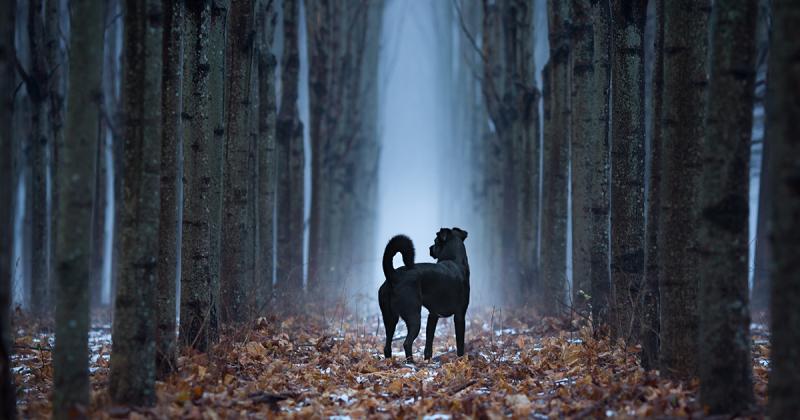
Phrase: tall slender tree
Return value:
(649, 335)
(683, 107)
(556, 161)
(36, 84)
(783, 140)
(238, 219)
(589, 153)
(199, 293)
(72, 258)
(599, 155)
(266, 20)
(511, 96)
(168, 224)
(343, 75)
(8, 408)
(290, 161)
(627, 164)
(726, 371)
(217, 124)
(133, 369)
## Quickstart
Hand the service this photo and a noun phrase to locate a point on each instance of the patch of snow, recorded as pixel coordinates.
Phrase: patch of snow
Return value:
(437, 416)
(610, 413)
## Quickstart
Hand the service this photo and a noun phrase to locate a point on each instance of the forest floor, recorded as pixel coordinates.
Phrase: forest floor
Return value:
(517, 365)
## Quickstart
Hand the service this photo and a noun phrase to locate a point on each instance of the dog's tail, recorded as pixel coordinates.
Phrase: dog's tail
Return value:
(401, 244)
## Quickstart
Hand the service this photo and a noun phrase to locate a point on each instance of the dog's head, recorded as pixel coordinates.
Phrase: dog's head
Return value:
(449, 245)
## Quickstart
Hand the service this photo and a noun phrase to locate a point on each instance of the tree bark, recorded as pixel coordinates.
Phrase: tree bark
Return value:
(683, 109)
(726, 384)
(72, 259)
(199, 293)
(599, 155)
(290, 162)
(168, 224)
(627, 166)
(556, 162)
(238, 220)
(217, 85)
(783, 140)
(266, 151)
(132, 368)
(36, 84)
(650, 329)
(8, 406)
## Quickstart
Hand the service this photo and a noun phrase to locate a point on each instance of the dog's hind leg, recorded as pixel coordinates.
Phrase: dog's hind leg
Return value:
(459, 320)
(430, 330)
(413, 322)
(389, 322)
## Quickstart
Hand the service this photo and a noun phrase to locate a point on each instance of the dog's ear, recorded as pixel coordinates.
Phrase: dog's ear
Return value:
(461, 234)
(443, 234)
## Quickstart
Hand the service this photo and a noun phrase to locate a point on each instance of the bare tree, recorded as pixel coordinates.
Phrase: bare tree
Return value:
(726, 369)
(8, 408)
(627, 165)
(199, 293)
(266, 20)
(238, 219)
(72, 257)
(132, 368)
(169, 227)
(683, 108)
(649, 334)
(782, 135)
(290, 162)
(555, 160)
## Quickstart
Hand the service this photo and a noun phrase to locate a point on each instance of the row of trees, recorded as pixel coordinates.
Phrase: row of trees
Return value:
(646, 129)
(209, 173)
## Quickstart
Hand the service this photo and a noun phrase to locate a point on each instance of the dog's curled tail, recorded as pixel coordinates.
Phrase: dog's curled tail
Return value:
(401, 244)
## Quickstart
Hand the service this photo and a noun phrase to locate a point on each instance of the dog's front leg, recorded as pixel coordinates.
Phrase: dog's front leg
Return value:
(459, 320)
(430, 330)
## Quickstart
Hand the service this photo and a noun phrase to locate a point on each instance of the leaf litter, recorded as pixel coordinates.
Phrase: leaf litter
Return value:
(302, 366)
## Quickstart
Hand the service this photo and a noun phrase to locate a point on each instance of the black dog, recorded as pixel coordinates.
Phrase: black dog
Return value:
(443, 288)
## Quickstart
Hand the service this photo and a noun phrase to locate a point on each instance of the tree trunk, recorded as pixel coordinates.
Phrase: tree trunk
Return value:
(599, 156)
(216, 151)
(57, 59)
(132, 368)
(36, 83)
(589, 153)
(8, 408)
(238, 220)
(627, 165)
(342, 80)
(782, 135)
(556, 162)
(72, 259)
(290, 161)
(726, 384)
(683, 109)
(266, 151)
(199, 293)
(169, 226)
(650, 329)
